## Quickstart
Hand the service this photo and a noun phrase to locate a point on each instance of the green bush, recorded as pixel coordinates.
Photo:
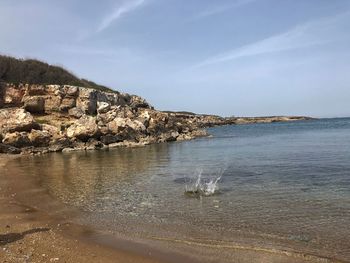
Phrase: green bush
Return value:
(32, 71)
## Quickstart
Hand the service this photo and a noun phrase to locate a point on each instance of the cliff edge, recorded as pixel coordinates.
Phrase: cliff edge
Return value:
(50, 118)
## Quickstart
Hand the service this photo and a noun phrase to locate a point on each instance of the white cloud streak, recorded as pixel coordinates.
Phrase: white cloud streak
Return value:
(309, 34)
(120, 11)
(220, 9)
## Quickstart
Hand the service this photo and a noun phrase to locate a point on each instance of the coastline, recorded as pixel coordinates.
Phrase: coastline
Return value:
(36, 119)
(44, 232)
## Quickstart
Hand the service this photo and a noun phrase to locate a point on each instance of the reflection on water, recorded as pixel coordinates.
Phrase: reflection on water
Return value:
(86, 179)
(286, 184)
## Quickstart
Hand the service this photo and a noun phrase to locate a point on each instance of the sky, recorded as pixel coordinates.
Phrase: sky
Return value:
(225, 57)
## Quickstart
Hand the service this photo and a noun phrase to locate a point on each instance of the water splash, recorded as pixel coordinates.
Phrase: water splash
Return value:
(203, 187)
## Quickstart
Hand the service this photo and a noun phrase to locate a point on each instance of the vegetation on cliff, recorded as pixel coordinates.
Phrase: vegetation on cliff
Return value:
(32, 71)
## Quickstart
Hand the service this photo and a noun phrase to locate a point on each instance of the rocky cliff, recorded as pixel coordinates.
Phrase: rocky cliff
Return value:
(49, 118)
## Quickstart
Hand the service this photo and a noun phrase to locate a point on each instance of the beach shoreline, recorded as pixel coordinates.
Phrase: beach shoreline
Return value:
(31, 234)
(41, 235)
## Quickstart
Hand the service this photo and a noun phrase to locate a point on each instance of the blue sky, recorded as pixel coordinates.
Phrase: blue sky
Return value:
(226, 57)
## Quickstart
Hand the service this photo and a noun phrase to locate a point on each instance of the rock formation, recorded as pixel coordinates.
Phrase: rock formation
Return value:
(50, 118)
(47, 118)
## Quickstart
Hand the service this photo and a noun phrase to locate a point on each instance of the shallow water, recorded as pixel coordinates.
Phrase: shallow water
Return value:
(283, 185)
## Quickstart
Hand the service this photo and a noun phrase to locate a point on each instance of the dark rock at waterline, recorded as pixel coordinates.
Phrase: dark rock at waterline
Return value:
(4, 148)
(109, 138)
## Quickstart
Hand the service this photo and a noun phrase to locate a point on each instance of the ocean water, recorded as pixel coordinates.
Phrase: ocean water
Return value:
(281, 186)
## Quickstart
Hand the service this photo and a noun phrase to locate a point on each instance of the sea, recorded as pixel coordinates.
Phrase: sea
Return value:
(276, 192)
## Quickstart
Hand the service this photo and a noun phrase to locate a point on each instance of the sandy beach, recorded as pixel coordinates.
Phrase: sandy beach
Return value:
(30, 235)
(43, 232)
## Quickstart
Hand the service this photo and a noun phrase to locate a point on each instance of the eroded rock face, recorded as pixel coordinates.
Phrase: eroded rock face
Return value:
(5, 148)
(15, 119)
(34, 104)
(76, 112)
(17, 139)
(75, 118)
(87, 100)
(12, 95)
(103, 107)
(84, 128)
(56, 98)
(39, 138)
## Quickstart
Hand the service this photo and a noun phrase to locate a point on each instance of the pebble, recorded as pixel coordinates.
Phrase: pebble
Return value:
(54, 259)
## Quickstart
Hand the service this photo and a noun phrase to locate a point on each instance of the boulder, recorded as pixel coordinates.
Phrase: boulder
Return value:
(109, 138)
(12, 120)
(93, 144)
(39, 138)
(168, 136)
(103, 107)
(52, 103)
(17, 139)
(59, 144)
(34, 104)
(83, 129)
(12, 95)
(144, 118)
(119, 124)
(136, 125)
(67, 103)
(35, 90)
(71, 91)
(76, 112)
(53, 131)
(126, 129)
(87, 100)
(138, 102)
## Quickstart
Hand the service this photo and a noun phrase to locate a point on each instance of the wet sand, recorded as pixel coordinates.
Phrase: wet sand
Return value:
(35, 231)
(31, 235)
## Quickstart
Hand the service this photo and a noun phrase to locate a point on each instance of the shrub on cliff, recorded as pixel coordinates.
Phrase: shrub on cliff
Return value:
(32, 71)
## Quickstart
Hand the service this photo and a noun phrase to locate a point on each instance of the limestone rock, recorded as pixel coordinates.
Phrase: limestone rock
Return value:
(83, 129)
(34, 104)
(59, 144)
(103, 107)
(51, 130)
(52, 103)
(87, 100)
(12, 95)
(17, 139)
(138, 102)
(76, 112)
(118, 124)
(67, 103)
(12, 120)
(39, 138)
(35, 90)
(71, 91)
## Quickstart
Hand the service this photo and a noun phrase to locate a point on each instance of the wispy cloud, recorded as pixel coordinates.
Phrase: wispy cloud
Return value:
(312, 33)
(127, 7)
(220, 9)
